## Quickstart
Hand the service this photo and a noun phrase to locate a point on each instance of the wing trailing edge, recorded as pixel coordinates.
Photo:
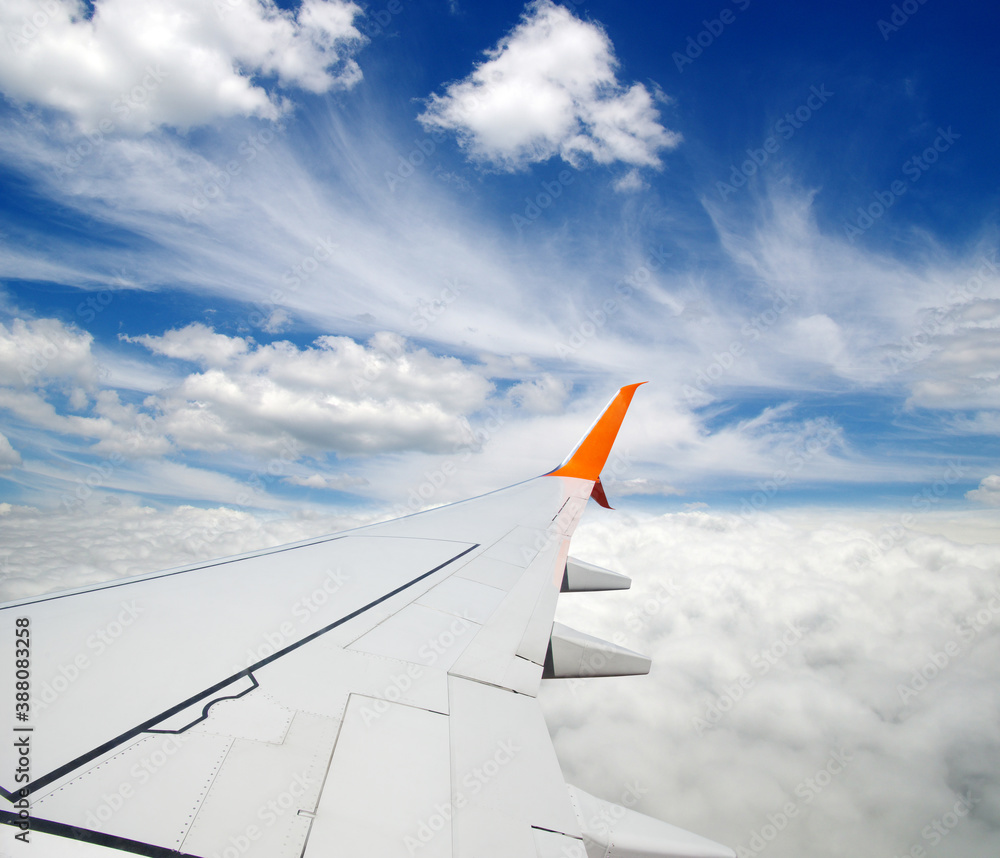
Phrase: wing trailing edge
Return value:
(620, 832)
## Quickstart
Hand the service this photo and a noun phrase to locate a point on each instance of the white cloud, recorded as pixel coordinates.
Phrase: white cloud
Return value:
(960, 369)
(45, 359)
(9, 457)
(246, 241)
(827, 615)
(41, 351)
(334, 396)
(78, 400)
(543, 395)
(630, 183)
(135, 66)
(774, 444)
(277, 321)
(85, 546)
(988, 492)
(641, 486)
(862, 304)
(337, 482)
(817, 335)
(549, 88)
(857, 315)
(115, 427)
(196, 342)
(981, 423)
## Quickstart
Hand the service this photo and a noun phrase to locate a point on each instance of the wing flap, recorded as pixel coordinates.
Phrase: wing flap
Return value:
(421, 635)
(520, 626)
(464, 598)
(389, 789)
(132, 793)
(505, 776)
(613, 831)
(493, 573)
(261, 800)
(535, 640)
(320, 676)
(522, 676)
(550, 844)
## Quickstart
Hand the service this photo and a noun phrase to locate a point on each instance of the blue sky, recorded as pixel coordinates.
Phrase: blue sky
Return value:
(314, 256)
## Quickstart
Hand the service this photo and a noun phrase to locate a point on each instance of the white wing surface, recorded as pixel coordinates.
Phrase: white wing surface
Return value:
(368, 693)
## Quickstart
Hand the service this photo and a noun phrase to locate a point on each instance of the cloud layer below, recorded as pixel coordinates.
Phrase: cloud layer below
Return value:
(823, 682)
(835, 667)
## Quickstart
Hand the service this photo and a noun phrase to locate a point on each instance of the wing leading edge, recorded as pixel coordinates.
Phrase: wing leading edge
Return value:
(370, 692)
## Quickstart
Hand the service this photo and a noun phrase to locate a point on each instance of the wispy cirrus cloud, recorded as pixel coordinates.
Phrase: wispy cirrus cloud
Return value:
(9, 457)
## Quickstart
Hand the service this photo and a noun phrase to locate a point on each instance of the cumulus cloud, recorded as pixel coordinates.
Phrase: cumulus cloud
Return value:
(196, 434)
(335, 395)
(277, 321)
(43, 361)
(115, 427)
(40, 351)
(135, 66)
(550, 88)
(819, 336)
(988, 492)
(196, 342)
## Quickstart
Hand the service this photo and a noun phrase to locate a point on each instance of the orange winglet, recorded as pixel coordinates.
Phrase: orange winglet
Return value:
(587, 460)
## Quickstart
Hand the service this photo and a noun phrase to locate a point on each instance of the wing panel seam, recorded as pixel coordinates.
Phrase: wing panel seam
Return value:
(98, 838)
(55, 774)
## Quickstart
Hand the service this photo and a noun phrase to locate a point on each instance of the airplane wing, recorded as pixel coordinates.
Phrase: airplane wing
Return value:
(366, 693)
